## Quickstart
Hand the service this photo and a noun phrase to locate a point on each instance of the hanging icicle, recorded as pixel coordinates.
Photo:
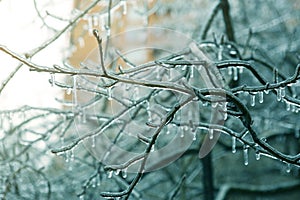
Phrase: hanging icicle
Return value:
(74, 90)
(246, 156)
(110, 174)
(257, 155)
(233, 143)
(288, 168)
(252, 96)
(235, 74)
(124, 4)
(279, 96)
(124, 173)
(52, 79)
(261, 97)
(211, 134)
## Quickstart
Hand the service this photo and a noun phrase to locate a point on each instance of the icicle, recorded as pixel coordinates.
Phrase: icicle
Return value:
(67, 157)
(288, 168)
(229, 71)
(246, 156)
(152, 148)
(233, 147)
(94, 182)
(261, 97)
(275, 75)
(124, 173)
(124, 4)
(95, 21)
(110, 173)
(102, 22)
(71, 155)
(81, 42)
(211, 134)
(168, 130)
(69, 91)
(279, 94)
(74, 90)
(52, 79)
(81, 197)
(282, 92)
(192, 72)
(148, 111)
(288, 106)
(257, 155)
(241, 70)
(109, 94)
(117, 172)
(252, 96)
(225, 110)
(220, 53)
(145, 20)
(297, 132)
(93, 141)
(182, 132)
(83, 116)
(90, 25)
(235, 74)
(266, 91)
(108, 31)
(214, 104)
(195, 135)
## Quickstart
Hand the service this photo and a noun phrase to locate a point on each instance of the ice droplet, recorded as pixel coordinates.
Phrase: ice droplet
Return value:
(266, 91)
(81, 197)
(252, 96)
(246, 156)
(233, 143)
(94, 182)
(261, 97)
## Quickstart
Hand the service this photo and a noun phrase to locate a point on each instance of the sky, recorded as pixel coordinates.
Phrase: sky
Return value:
(21, 31)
